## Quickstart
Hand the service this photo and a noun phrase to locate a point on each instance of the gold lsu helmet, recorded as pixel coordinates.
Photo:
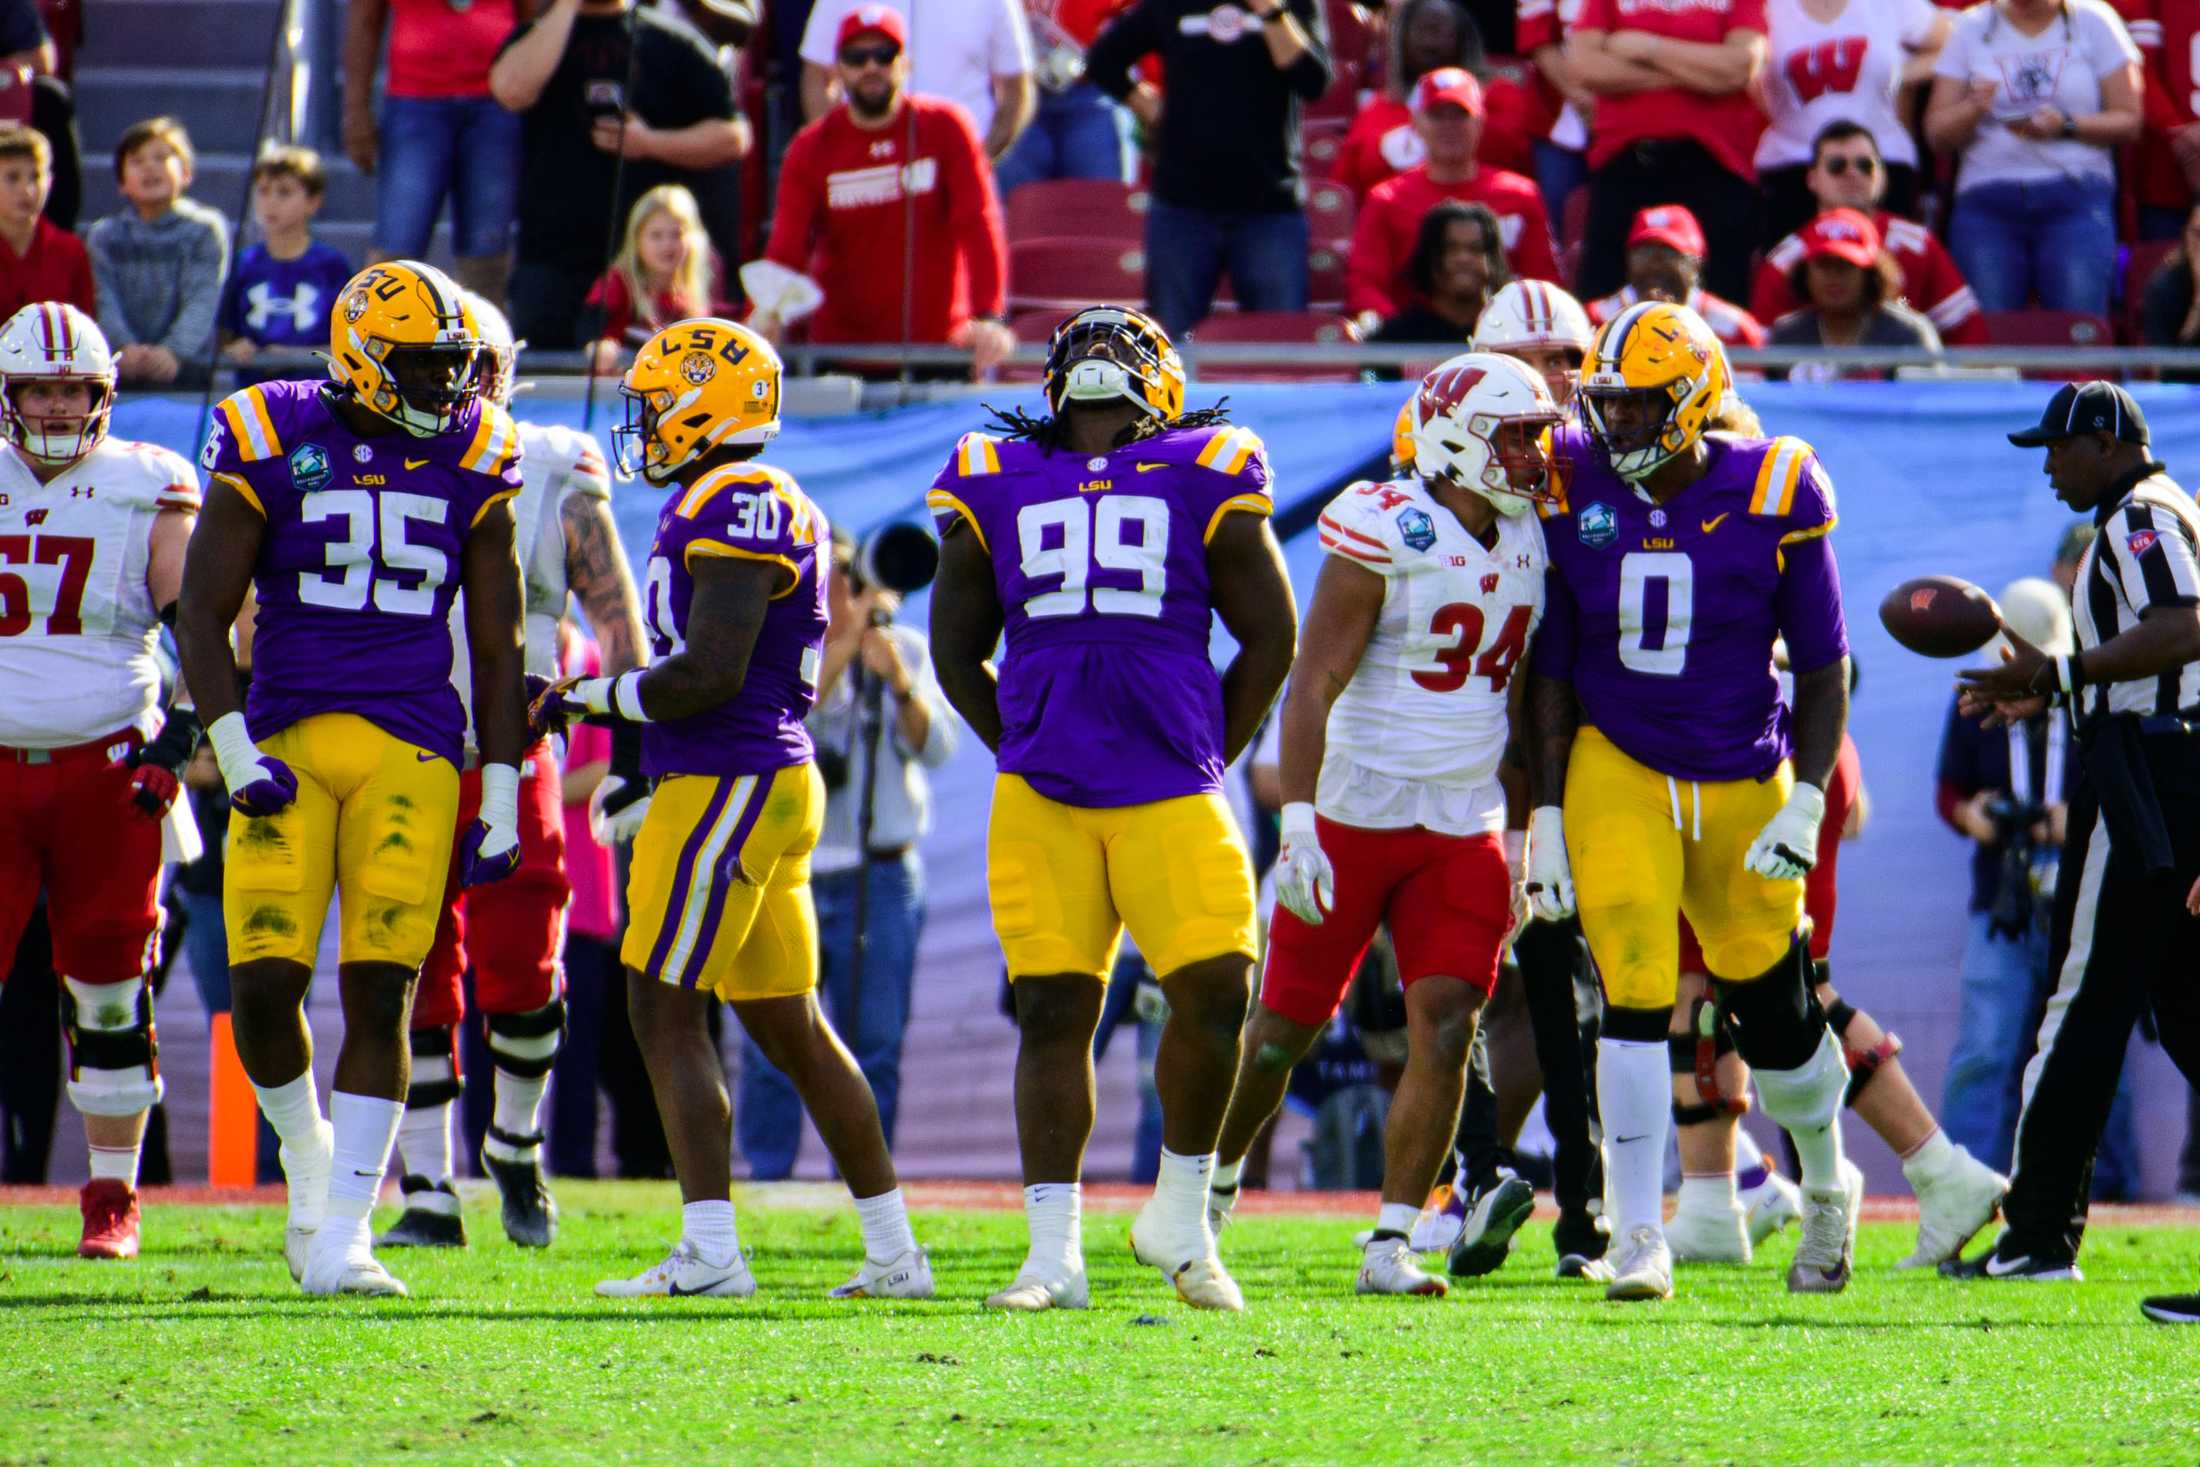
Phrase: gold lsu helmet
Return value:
(1655, 375)
(1105, 352)
(1401, 434)
(698, 384)
(403, 342)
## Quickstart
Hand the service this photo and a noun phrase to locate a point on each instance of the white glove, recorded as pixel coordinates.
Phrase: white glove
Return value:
(1788, 845)
(1516, 869)
(1305, 883)
(1550, 877)
(786, 294)
(618, 827)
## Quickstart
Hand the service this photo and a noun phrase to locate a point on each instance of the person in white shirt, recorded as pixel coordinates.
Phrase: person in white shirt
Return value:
(1841, 61)
(2036, 95)
(976, 53)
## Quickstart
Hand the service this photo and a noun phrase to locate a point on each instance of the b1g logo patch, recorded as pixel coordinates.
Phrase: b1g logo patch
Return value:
(1597, 525)
(309, 468)
(1416, 529)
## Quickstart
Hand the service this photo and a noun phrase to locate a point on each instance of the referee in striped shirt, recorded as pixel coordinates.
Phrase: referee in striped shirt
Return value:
(2124, 939)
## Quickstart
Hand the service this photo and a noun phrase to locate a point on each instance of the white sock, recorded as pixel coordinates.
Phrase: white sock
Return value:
(1931, 1160)
(1806, 1101)
(1225, 1177)
(1397, 1217)
(885, 1219)
(1055, 1213)
(1713, 1194)
(424, 1141)
(708, 1228)
(519, 1102)
(1180, 1194)
(1635, 1099)
(116, 1163)
(294, 1110)
(366, 1128)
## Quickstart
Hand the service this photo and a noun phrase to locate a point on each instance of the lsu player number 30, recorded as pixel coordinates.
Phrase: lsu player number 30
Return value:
(356, 509)
(1677, 558)
(1104, 539)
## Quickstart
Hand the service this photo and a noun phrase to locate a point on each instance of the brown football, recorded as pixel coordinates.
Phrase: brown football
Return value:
(1940, 616)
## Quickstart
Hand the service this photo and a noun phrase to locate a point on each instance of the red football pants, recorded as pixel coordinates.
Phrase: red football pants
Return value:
(509, 931)
(67, 826)
(1446, 898)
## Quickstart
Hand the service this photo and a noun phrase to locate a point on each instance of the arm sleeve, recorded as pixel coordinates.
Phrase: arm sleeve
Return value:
(795, 209)
(1917, 18)
(1535, 257)
(107, 285)
(1312, 72)
(1371, 267)
(753, 518)
(1237, 479)
(1596, 15)
(1535, 24)
(2108, 44)
(942, 727)
(1955, 57)
(1008, 51)
(822, 26)
(1957, 778)
(1558, 637)
(2152, 551)
(977, 215)
(1355, 527)
(192, 335)
(1126, 39)
(957, 487)
(1808, 606)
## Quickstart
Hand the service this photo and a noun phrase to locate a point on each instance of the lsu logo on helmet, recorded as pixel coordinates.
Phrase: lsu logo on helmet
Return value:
(697, 385)
(1654, 379)
(402, 340)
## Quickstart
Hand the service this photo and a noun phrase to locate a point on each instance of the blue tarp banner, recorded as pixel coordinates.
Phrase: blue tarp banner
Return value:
(1925, 481)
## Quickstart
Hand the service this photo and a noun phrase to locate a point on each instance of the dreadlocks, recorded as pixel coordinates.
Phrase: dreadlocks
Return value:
(1015, 423)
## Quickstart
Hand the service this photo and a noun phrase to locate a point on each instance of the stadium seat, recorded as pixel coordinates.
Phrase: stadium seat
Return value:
(1351, 34)
(1063, 274)
(1328, 213)
(1078, 208)
(2039, 327)
(1325, 277)
(1321, 139)
(1279, 327)
(2140, 263)
(15, 95)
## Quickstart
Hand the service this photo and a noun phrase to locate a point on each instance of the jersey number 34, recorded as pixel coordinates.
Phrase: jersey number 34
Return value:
(1467, 656)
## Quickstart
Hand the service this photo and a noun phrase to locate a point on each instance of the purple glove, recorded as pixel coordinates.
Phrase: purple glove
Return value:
(489, 851)
(259, 784)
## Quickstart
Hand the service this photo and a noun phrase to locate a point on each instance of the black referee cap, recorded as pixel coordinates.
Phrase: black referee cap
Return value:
(2087, 407)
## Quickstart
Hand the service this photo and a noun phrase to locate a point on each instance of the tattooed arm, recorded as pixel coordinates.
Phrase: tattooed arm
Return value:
(596, 570)
(1348, 600)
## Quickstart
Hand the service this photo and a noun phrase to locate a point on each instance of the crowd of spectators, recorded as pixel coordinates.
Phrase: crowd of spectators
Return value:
(1831, 172)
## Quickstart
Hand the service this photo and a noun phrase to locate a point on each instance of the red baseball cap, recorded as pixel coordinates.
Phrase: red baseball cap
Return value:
(1668, 224)
(1453, 84)
(1843, 234)
(862, 20)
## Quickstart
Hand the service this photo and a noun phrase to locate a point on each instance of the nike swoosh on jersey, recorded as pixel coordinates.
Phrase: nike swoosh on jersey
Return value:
(416, 463)
(1715, 521)
(1146, 468)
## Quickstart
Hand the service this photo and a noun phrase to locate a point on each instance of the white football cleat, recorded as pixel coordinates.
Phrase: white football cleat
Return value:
(1030, 1292)
(1390, 1267)
(1643, 1267)
(1188, 1263)
(906, 1277)
(1771, 1206)
(297, 1248)
(306, 1173)
(1825, 1257)
(353, 1271)
(1951, 1209)
(1708, 1236)
(682, 1275)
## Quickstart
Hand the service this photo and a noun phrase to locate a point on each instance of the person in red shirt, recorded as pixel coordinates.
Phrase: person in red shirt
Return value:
(1674, 124)
(2166, 169)
(1447, 115)
(1382, 142)
(839, 238)
(1665, 256)
(1563, 107)
(39, 260)
(1846, 173)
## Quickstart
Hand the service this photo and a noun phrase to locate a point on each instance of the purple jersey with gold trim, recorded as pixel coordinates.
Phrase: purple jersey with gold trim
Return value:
(1663, 616)
(1108, 696)
(749, 511)
(362, 556)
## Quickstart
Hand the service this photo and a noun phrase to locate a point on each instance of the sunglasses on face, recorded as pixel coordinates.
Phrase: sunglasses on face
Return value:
(1865, 167)
(857, 57)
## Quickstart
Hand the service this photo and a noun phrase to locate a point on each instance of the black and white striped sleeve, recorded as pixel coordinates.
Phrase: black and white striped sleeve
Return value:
(2156, 559)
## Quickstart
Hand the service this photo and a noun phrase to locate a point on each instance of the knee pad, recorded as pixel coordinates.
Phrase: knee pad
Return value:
(527, 1044)
(1637, 1026)
(1863, 1063)
(1776, 1018)
(114, 1055)
(435, 1077)
(1696, 1055)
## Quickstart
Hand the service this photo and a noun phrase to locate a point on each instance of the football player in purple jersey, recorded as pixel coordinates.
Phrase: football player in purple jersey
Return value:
(1103, 540)
(356, 510)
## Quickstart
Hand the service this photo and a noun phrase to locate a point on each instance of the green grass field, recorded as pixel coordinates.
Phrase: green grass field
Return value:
(202, 1351)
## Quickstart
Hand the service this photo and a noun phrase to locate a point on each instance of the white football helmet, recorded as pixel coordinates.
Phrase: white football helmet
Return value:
(1534, 316)
(1483, 421)
(500, 352)
(55, 342)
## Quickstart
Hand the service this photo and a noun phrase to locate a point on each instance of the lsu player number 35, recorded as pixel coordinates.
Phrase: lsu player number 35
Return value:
(1689, 785)
(1401, 712)
(356, 509)
(1103, 540)
(92, 534)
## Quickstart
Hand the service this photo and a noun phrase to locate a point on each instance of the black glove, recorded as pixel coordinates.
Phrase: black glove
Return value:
(156, 768)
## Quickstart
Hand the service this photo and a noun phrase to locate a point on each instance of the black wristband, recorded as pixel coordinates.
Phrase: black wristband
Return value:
(174, 745)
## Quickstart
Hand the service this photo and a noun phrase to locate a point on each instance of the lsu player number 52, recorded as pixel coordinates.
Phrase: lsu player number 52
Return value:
(1400, 806)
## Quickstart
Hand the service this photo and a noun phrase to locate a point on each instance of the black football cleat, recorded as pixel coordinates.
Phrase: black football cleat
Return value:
(430, 1219)
(1494, 1214)
(2172, 1308)
(1995, 1266)
(530, 1214)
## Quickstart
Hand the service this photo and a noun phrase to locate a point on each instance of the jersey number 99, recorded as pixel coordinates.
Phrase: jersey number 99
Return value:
(1120, 532)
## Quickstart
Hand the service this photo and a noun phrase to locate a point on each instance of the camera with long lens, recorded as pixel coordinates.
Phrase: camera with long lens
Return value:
(2026, 891)
(900, 557)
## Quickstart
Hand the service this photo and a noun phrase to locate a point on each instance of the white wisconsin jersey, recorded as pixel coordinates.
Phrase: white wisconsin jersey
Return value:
(1416, 736)
(78, 627)
(556, 464)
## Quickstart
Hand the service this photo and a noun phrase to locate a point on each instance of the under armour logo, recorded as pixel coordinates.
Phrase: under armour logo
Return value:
(301, 307)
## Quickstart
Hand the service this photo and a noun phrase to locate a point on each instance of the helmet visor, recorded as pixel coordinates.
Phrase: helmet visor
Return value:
(1522, 448)
(435, 379)
(1626, 420)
